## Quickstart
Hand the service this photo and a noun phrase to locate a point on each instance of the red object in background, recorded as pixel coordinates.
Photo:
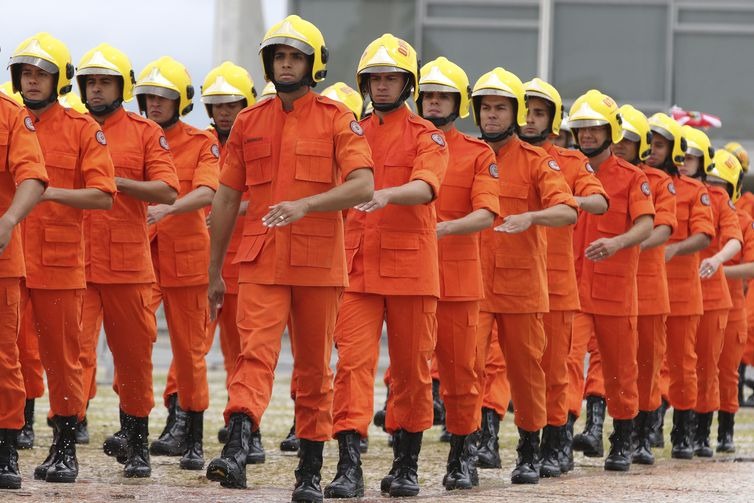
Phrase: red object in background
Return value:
(695, 119)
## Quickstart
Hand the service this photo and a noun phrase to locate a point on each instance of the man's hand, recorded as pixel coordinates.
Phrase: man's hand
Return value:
(215, 293)
(380, 199)
(709, 267)
(670, 252)
(6, 231)
(157, 212)
(601, 249)
(285, 213)
(514, 224)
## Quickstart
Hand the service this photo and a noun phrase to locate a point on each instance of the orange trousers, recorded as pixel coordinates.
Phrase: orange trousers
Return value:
(522, 340)
(412, 329)
(730, 358)
(455, 354)
(12, 393)
(594, 384)
(493, 376)
(709, 345)
(131, 330)
(187, 315)
(581, 342)
(617, 342)
(748, 356)
(58, 321)
(558, 330)
(28, 350)
(681, 361)
(263, 311)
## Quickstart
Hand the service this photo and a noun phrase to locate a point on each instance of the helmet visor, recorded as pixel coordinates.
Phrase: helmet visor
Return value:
(695, 151)
(214, 99)
(437, 88)
(98, 70)
(157, 91)
(292, 42)
(382, 69)
(663, 132)
(493, 92)
(539, 94)
(35, 61)
(579, 123)
(631, 136)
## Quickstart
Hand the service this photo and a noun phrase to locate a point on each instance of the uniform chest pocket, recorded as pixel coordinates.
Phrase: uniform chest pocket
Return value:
(3, 151)
(610, 282)
(128, 248)
(191, 256)
(455, 193)
(395, 175)
(399, 255)
(514, 198)
(258, 158)
(62, 245)
(682, 215)
(314, 161)
(615, 220)
(313, 242)
(61, 168)
(128, 165)
(513, 276)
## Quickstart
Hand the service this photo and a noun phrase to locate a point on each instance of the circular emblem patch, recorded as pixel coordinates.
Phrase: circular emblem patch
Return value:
(732, 206)
(215, 150)
(356, 128)
(493, 170)
(645, 188)
(589, 168)
(164, 143)
(437, 138)
(100, 136)
(553, 165)
(705, 199)
(671, 188)
(29, 124)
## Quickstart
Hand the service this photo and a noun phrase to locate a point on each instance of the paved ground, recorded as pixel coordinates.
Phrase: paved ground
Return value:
(724, 479)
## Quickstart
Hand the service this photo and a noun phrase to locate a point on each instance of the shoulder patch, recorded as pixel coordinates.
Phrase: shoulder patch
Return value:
(705, 199)
(671, 188)
(553, 165)
(215, 150)
(356, 128)
(100, 137)
(164, 143)
(752, 225)
(29, 123)
(493, 170)
(645, 188)
(437, 138)
(732, 206)
(589, 168)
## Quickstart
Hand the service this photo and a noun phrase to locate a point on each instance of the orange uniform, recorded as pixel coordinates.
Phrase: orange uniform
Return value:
(746, 203)
(608, 288)
(20, 160)
(118, 265)
(297, 271)
(77, 157)
(717, 304)
(736, 330)
(470, 184)
(394, 277)
(180, 256)
(694, 216)
(515, 269)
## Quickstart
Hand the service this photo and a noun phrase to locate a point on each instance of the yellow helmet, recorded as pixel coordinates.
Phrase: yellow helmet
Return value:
(699, 144)
(345, 94)
(268, 91)
(500, 82)
(726, 167)
(389, 54)
(445, 76)
(540, 89)
(72, 100)
(669, 129)
(106, 60)
(48, 53)
(7, 89)
(227, 83)
(741, 154)
(168, 78)
(595, 109)
(636, 128)
(299, 34)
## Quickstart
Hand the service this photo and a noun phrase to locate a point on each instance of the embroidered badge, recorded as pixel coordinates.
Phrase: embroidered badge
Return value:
(732, 206)
(589, 168)
(705, 199)
(553, 165)
(645, 188)
(100, 136)
(164, 143)
(493, 170)
(671, 188)
(437, 138)
(215, 150)
(29, 124)
(356, 128)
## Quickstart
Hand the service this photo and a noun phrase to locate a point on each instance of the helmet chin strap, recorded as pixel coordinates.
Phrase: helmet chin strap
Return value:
(495, 137)
(442, 121)
(222, 134)
(169, 122)
(104, 109)
(389, 107)
(291, 87)
(38, 104)
(594, 152)
(537, 138)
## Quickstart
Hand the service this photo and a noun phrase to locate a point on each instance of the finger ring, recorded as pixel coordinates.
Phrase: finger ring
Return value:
(282, 217)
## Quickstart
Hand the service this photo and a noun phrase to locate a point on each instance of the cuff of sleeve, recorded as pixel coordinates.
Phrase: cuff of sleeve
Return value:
(430, 178)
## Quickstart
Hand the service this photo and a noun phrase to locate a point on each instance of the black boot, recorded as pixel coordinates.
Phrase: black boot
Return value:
(256, 454)
(82, 432)
(222, 435)
(9, 476)
(551, 447)
(364, 445)
(406, 479)
(444, 434)
(472, 441)
(290, 443)
(172, 440)
(308, 473)
(656, 434)
(488, 453)
(680, 435)
(642, 449)
(40, 472)
(701, 435)
(387, 480)
(438, 407)
(230, 468)
(379, 416)
(741, 377)
(565, 457)
(619, 457)
(526, 470)
(725, 422)
(116, 445)
(458, 474)
(25, 437)
(64, 466)
(349, 479)
(193, 457)
(137, 462)
(590, 440)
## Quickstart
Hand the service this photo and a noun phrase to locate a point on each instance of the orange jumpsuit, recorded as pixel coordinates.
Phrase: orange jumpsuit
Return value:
(607, 288)
(20, 159)
(118, 265)
(694, 216)
(180, 256)
(746, 203)
(470, 184)
(394, 278)
(295, 272)
(76, 155)
(717, 304)
(735, 331)
(515, 269)
(28, 348)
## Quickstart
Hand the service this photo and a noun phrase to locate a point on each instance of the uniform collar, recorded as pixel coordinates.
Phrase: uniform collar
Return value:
(118, 115)
(398, 115)
(53, 113)
(300, 104)
(174, 131)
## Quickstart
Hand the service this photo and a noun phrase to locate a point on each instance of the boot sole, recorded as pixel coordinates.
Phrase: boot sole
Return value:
(219, 474)
(617, 468)
(725, 450)
(191, 465)
(306, 497)
(550, 473)
(643, 461)
(138, 474)
(524, 480)
(403, 492)
(10, 481)
(288, 447)
(704, 454)
(455, 485)
(160, 451)
(682, 455)
(255, 459)
(337, 494)
(60, 479)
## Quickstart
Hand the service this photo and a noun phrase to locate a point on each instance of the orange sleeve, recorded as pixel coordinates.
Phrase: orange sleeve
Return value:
(352, 150)
(431, 160)
(157, 159)
(587, 183)
(664, 201)
(96, 164)
(233, 173)
(25, 159)
(747, 252)
(553, 188)
(729, 225)
(640, 197)
(207, 170)
(700, 220)
(485, 189)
